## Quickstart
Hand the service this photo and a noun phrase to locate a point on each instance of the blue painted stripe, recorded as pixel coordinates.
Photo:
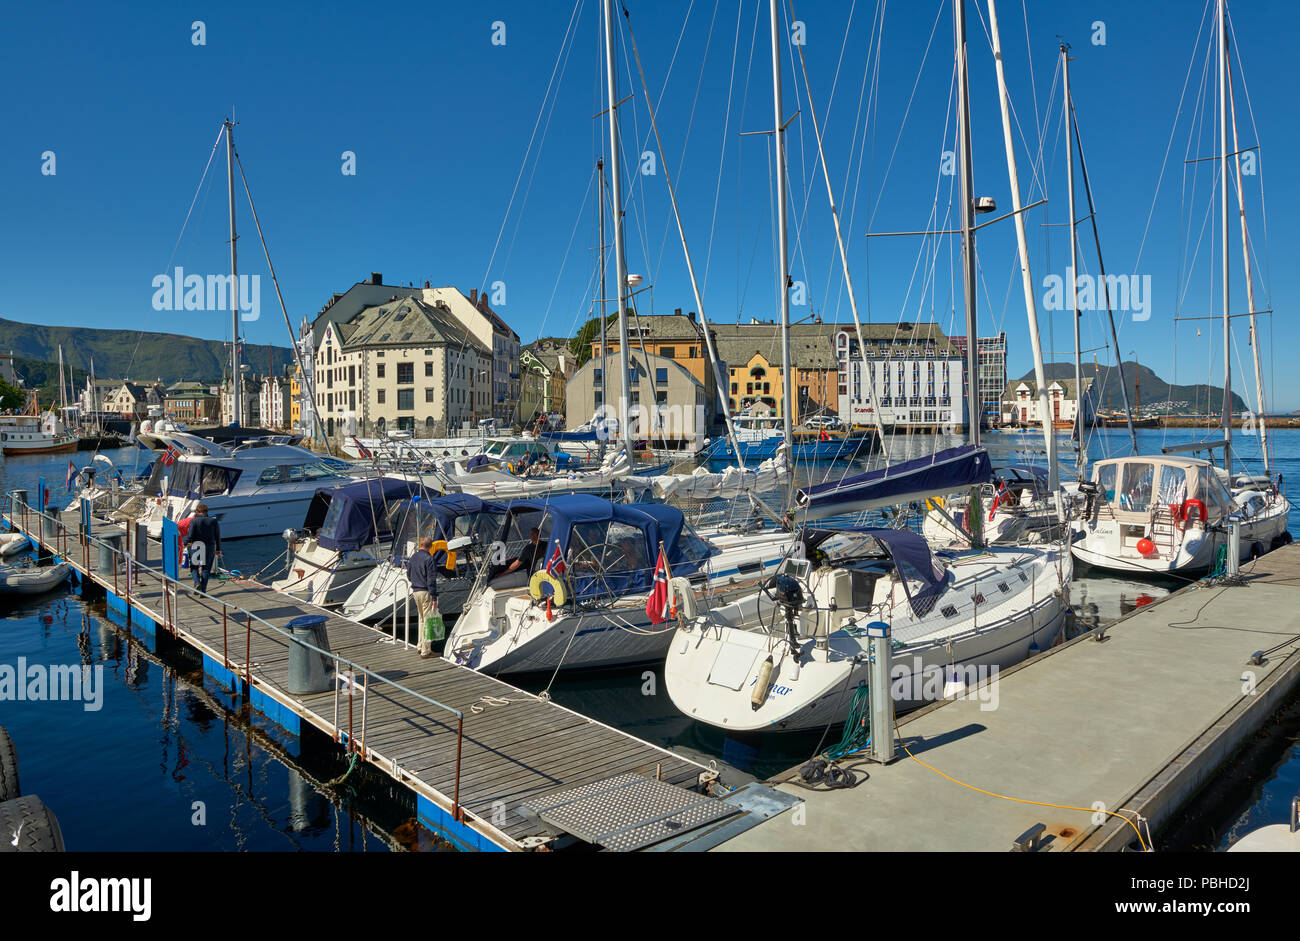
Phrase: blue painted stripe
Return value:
(442, 823)
(281, 715)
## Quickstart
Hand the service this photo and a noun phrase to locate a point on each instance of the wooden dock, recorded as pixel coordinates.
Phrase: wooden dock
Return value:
(471, 748)
(1100, 740)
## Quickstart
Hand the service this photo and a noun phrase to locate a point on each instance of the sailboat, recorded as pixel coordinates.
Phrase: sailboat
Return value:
(1169, 513)
(790, 655)
(34, 433)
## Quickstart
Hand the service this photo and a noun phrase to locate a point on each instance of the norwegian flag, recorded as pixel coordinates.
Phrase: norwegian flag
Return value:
(658, 605)
(556, 565)
(169, 456)
(362, 451)
(72, 474)
(1001, 497)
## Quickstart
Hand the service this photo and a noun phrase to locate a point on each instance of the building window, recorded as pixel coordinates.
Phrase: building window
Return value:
(596, 377)
(428, 395)
(668, 352)
(406, 400)
(428, 353)
(661, 397)
(352, 399)
(428, 369)
(379, 355)
(379, 369)
(405, 373)
(661, 377)
(380, 393)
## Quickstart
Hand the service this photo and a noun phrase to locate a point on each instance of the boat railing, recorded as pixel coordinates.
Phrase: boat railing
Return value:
(129, 571)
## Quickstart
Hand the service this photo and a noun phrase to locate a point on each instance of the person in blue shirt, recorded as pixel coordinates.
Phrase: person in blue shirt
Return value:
(204, 539)
(422, 572)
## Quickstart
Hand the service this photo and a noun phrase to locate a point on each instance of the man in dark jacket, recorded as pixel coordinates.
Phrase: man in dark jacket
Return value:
(422, 573)
(204, 539)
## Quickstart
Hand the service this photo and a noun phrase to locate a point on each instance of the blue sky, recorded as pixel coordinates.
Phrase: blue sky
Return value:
(474, 160)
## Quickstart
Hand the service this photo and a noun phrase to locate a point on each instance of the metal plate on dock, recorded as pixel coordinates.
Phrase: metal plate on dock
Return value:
(627, 811)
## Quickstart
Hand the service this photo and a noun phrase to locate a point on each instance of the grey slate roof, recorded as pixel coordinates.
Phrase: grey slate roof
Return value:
(405, 322)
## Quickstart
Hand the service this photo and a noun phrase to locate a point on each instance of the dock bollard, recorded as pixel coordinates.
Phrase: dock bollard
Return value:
(49, 526)
(108, 548)
(309, 671)
(882, 699)
(1234, 546)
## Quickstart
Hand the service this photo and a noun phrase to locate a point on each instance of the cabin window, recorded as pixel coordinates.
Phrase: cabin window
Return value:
(1106, 481)
(218, 480)
(1137, 486)
(1173, 485)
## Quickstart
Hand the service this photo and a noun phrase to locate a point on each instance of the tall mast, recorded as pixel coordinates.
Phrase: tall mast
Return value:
(778, 111)
(1080, 459)
(604, 373)
(1027, 280)
(1101, 271)
(1250, 286)
(975, 513)
(620, 260)
(967, 224)
(236, 386)
(1223, 221)
(63, 398)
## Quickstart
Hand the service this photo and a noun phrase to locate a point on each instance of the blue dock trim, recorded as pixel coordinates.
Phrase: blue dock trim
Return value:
(442, 823)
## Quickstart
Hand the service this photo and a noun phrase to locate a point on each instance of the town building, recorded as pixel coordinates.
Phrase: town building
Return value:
(133, 400)
(911, 372)
(7, 370)
(273, 402)
(546, 368)
(250, 412)
(992, 363)
(751, 355)
(407, 364)
(192, 403)
(1020, 403)
(666, 405)
(474, 315)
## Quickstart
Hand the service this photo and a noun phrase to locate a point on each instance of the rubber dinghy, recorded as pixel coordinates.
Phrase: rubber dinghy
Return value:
(31, 580)
(11, 543)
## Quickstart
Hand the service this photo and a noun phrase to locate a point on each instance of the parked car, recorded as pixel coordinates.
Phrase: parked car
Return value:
(823, 421)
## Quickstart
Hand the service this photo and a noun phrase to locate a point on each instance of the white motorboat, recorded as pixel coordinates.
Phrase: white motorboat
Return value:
(257, 488)
(33, 579)
(789, 657)
(591, 611)
(1167, 514)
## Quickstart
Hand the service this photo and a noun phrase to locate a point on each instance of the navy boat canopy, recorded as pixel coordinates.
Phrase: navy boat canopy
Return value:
(357, 514)
(923, 578)
(943, 472)
(609, 548)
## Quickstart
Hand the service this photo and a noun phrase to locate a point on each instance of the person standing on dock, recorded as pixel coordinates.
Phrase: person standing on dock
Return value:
(206, 532)
(422, 573)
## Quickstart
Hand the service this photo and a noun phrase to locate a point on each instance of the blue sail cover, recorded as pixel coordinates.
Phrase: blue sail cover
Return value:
(944, 472)
(581, 523)
(356, 514)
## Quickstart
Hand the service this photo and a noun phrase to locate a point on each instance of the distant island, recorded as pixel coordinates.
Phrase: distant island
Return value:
(1158, 397)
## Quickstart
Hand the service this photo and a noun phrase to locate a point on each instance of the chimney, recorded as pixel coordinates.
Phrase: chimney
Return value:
(677, 311)
(691, 315)
(426, 285)
(473, 296)
(376, 278)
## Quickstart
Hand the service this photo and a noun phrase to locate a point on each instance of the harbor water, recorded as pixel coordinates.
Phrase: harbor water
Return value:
(156, 760)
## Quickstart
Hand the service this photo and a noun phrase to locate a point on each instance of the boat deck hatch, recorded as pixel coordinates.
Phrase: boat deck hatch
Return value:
(626, 812)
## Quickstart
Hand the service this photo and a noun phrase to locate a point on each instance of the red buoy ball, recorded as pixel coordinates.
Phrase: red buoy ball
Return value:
(1146, 547)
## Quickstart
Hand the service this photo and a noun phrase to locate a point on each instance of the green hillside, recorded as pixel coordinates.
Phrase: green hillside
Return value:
(165, 356)
(1199, 399)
